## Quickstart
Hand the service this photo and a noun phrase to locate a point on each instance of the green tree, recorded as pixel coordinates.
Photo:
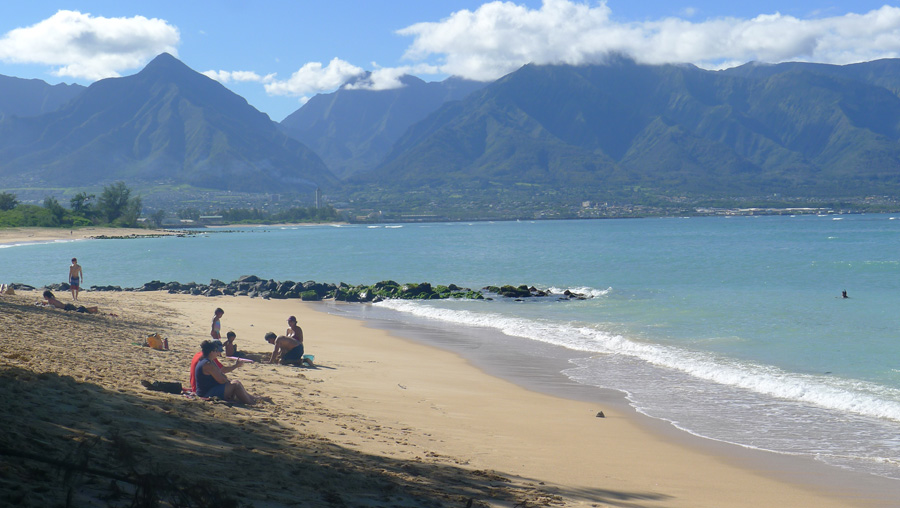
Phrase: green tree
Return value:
(8, 201)
(157, 218)
(117, 206)
(56, 210)
(189, 214)
(81, 205)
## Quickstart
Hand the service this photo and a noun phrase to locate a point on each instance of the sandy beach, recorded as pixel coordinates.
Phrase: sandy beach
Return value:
(27, 235)
(381, 421)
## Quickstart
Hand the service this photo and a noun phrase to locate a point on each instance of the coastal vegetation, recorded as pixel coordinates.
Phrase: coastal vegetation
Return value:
(544, 142)
(115, 207)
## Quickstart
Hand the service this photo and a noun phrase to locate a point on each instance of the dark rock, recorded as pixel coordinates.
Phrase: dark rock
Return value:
(248, 278)
(153, 285)
(601, 415)
(309, 296)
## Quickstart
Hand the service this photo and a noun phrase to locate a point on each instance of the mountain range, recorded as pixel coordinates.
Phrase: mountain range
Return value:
(798, 129)
(353, 129)
(167, 125)
(794, 129)
(31, 97)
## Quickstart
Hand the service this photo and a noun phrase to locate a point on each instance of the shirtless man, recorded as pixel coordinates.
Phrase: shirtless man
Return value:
(290, 349)
(75, 277)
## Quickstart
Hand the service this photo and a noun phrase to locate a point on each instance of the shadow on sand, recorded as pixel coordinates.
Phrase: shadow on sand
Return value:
(76, 444)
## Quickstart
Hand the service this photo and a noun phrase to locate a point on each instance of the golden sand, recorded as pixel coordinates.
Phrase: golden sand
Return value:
(382, 421)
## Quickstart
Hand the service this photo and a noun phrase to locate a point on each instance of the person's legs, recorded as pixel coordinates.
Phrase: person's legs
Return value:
(218, 391)
(294, 356)
(235, 391)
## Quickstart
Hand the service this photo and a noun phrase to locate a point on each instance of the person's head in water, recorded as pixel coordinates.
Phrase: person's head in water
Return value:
(844, 294)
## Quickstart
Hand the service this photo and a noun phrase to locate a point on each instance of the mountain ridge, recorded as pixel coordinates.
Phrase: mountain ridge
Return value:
(167, 124)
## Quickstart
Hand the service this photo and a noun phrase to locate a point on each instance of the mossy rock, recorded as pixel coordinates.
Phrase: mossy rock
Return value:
(309, 296)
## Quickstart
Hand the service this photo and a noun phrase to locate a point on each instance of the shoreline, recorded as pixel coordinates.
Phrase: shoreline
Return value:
(381, 411)
(498, 359)
(15, 236)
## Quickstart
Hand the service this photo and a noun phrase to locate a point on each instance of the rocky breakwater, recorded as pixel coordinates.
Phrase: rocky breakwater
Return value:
(253, 286)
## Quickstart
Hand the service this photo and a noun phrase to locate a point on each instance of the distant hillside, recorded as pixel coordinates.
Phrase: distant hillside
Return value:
(353, 130)
(165, 125)
(793, 128)
(31, 97)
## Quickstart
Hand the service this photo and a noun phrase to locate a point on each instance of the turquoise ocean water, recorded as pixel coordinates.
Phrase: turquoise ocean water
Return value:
(730, 328)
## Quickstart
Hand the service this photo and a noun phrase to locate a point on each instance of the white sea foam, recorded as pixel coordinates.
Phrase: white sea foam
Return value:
(587, 291)
(22, 244)
(845, 395)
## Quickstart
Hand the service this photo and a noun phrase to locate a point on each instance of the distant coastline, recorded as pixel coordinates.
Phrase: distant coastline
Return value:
(38, 234)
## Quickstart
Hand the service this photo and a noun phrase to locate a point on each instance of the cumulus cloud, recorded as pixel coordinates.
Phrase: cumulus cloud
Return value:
(239, 76)
(499, 37)
(82, 46)
(313, 78)
(388, 78)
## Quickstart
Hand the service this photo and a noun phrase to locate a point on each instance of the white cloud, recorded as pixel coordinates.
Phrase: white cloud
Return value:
(82, 46)
(500, 37)
(314, 78)
(239, 76)
(388, 78)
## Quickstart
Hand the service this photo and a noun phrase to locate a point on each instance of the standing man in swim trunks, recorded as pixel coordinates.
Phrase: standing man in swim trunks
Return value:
(75, 277)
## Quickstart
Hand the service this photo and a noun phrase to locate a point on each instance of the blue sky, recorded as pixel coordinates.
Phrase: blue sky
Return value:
(277, 54)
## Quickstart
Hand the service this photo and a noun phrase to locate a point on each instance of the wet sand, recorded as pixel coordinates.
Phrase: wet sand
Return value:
(381, 421)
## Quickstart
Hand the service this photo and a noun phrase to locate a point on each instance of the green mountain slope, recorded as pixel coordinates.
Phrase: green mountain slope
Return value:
(796, 129)
(31, 97)
(164, 125)
(354, 129)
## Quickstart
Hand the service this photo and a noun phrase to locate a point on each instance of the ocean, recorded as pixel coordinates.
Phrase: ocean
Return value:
(729, 328)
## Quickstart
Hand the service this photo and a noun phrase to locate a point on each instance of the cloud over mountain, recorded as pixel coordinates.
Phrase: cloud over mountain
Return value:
(499, 37)
(80, 45)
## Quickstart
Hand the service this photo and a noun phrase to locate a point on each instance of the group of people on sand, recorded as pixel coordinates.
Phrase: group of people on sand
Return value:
(207, 373)
(76, 274)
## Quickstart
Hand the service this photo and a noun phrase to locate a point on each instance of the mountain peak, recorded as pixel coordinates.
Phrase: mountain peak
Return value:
(164, 62)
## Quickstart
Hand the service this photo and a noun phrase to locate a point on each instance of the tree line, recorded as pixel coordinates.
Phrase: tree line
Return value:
(114, 207)
(325, 213)
(117, 207)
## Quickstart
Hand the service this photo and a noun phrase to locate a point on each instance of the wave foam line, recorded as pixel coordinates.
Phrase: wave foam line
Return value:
(851, 395)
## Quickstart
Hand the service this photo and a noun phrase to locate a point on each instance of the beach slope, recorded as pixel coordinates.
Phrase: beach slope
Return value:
(381, 421)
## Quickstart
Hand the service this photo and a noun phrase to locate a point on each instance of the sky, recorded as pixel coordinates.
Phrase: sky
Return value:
(279, 53)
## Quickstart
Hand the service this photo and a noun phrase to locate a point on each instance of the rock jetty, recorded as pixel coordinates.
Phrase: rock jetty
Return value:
(253, 286)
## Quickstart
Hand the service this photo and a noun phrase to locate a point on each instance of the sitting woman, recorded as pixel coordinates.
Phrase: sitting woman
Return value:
(211, 382)
(51, 300)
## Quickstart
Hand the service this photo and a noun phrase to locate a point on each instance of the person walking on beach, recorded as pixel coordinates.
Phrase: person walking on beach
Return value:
(212, 382)
(217, 325)
(75, 278)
